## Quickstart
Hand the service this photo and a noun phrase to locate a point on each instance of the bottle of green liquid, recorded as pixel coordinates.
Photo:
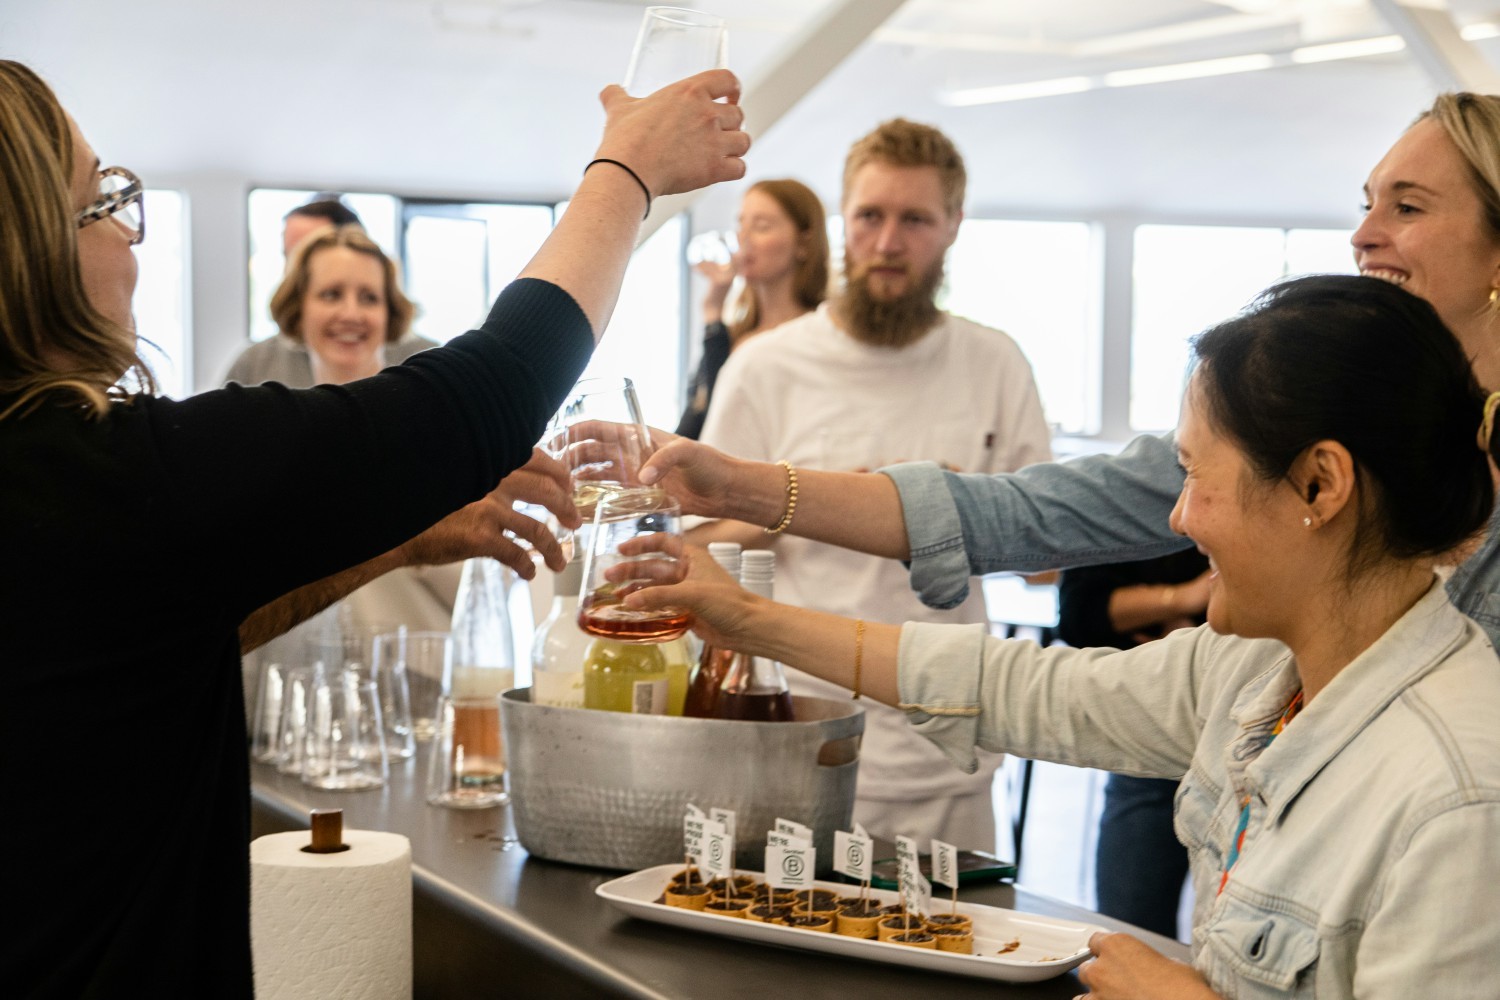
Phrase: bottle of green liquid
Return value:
(625, 677)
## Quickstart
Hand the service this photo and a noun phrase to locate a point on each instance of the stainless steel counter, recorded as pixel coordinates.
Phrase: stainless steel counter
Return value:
(490, 921)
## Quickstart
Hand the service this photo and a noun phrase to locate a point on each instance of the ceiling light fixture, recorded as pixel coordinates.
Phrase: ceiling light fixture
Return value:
(1189, 70)
(1378, 46)
(1354, 49)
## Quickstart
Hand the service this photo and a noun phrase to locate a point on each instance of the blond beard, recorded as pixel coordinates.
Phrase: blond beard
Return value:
(893, 323)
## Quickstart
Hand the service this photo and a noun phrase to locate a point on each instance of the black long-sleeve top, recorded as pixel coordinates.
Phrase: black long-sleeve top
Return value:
(134, 545)
(1083, 595)
(700, 392)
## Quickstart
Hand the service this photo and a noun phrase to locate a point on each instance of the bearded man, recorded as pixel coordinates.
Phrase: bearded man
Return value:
(878, 375)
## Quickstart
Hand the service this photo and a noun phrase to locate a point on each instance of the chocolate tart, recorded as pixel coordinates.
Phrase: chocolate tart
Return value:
(954, 939)
(889, 926)
(743, 885)
(819, 923)
(857, 921)
(689, 897)
(915, 939)
(764, 914)
(736, 907)
(960, 921)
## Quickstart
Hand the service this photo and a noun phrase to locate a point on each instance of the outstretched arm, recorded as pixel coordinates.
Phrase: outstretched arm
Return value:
(489, 527)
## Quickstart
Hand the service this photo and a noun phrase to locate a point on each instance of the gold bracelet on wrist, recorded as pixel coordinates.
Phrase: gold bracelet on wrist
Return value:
(859, 653)
(791, 499)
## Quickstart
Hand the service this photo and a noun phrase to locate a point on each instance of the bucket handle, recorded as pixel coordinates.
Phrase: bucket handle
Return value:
(837, 753)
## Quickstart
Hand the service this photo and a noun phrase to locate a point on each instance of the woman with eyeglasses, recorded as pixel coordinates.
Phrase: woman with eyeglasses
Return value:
(136, 539)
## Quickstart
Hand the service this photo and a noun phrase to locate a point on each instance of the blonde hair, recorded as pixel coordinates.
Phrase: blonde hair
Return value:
(810, 282)
(286, 303)
(1472, 121)
(45, 313)
(903, 143)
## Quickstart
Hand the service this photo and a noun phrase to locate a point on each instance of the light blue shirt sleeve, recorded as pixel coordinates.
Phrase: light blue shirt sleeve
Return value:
(1090, 511)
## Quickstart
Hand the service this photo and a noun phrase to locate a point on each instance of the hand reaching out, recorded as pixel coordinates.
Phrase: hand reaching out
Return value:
(1126, 968)
(491, 526)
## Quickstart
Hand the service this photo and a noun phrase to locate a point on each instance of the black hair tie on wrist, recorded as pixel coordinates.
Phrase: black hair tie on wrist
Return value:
(634, 176)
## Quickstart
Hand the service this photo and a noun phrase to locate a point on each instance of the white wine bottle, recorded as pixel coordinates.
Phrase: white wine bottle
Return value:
(560, 646)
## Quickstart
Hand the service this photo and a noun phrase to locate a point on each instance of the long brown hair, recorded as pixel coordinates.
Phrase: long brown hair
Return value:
(810, 282)
(45, 313)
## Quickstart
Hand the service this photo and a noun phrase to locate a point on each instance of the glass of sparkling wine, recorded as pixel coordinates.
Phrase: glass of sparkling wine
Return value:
(636, 542)
(675, 42)
(600, 435)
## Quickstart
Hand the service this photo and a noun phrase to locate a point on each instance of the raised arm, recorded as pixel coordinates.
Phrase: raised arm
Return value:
(678, 139)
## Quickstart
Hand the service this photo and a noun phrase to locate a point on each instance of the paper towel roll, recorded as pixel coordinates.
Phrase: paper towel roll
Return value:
(331, 925)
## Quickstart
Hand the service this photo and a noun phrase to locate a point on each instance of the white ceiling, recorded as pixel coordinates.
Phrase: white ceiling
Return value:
(493, 98)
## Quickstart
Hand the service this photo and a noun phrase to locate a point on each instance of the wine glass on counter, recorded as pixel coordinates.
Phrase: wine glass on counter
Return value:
(675, 42)
(636, 542)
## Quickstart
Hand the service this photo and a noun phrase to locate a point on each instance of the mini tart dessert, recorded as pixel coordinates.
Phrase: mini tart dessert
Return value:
(827, 897)
(736, 907)
(690, 897)
(743, 884)
(768, 914)
(890, 908)
(956, 939)
(888, 927)
(857, 921)
(915, 939)
(820, 923)
(822, 907)
(692, 875)
(960, 921)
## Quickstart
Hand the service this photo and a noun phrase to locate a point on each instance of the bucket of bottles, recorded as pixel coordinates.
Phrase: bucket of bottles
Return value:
(610, 789)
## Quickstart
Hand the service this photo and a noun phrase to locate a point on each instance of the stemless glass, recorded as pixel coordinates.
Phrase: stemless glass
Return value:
(344, 748)
(713, 247)
(600, 435)
(675, 42)
(636, 542)
(466, 769)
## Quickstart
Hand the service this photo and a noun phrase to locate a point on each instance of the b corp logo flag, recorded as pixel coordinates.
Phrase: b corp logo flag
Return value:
(915, 890)
(945, 864)
(718, 850)
(852, 855)
(791, 867)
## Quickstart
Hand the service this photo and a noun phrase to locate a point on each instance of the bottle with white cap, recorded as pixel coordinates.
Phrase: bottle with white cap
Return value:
(755, 688)
(703, 692)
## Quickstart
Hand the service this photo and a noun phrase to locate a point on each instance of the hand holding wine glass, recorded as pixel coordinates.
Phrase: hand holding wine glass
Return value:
(636, 543)
(674, 42)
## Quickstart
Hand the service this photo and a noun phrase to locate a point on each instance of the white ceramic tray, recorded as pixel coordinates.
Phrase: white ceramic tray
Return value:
(1048, 947)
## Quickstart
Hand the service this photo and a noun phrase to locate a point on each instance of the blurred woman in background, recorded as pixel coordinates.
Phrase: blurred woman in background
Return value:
(782, 260)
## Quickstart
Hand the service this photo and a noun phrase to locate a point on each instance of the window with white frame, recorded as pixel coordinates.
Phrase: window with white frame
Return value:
(1040, 283)
(1188, 278)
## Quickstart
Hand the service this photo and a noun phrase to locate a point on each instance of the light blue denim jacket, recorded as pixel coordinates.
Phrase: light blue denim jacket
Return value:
(1090, 511)
(1372, 855)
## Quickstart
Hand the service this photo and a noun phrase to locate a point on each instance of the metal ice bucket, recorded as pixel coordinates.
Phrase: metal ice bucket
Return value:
(609, 789)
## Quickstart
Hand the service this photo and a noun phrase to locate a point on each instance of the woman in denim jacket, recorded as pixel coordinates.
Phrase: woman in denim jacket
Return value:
(1332, 724)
